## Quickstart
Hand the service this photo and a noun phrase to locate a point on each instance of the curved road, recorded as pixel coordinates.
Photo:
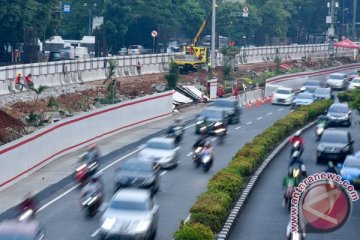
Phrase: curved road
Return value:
(263, 216)
(179, 187)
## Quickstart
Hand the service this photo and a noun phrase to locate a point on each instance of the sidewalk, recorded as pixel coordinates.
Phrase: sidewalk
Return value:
(64, 166)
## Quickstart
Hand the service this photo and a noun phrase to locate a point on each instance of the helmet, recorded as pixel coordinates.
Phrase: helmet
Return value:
(297, 133)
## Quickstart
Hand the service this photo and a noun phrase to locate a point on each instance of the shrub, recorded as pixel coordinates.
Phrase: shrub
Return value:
(194, 231)
(225, 181)
(345, 96)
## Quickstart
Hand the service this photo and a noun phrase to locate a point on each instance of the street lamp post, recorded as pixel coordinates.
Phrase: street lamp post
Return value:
(343, 21)
(213, 22)
(90, 7)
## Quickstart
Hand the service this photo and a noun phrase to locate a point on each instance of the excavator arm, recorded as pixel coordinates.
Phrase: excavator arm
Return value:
(203, 25)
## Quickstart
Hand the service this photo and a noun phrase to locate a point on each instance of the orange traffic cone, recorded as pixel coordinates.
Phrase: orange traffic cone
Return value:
(249, 105)
(268, 99)
(262, 101)
(257, 102)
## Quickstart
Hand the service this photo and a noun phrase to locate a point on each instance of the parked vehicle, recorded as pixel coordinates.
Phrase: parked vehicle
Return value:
(334, 146)
(135, 49)
(131, 214)
(351, 169)
(231, 108)
(337, 81)
(137, 173)
(339, 114)
(355, 83)
(123, 51)
(59, 56)
(161, 150)
(211, 119)
(312, 85)
(323, 93)
(284, 96)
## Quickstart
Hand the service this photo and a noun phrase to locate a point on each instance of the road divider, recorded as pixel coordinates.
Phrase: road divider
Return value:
(212, 210)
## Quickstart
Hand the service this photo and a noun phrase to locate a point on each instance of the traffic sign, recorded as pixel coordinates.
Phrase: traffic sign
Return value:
(67, 8)
(245, 9)
(154, 34)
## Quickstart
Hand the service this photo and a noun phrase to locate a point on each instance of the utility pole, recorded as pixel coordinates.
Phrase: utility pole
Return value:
(213, 32)
(330, 19)
(354, 20)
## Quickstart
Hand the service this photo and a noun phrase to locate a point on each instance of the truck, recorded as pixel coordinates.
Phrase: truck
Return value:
(194, 56)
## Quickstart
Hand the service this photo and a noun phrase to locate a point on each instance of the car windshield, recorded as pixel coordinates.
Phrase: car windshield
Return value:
(312, 84)
(134, 47)
(338, 109)
(221, 103)
(137, 166)
(352, 163)
(129, 205)
(159, 145)
(283, 91)
(336, 76)
(211, 114)
(356, 80)
(304, 96)
(15, 236)
(322, 91)
(333, 137)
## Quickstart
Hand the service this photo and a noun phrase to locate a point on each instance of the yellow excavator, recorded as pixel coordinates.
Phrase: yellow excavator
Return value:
(194, 56)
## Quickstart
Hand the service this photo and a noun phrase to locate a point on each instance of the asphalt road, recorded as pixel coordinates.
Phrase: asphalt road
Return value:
(263, 216)
(179, 187)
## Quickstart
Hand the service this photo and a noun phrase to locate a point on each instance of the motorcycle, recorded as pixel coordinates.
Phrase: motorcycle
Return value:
(176, 133)
(319, 129)
(91, 204)
(27, 214)
(301, 235)
(197, 156)
(287, 197)
(206, 161)
(221, 133)
(296, 147)
(86, 168)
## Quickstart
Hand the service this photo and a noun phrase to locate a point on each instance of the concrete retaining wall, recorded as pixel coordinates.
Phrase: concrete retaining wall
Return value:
(295, 81)
(23, 156)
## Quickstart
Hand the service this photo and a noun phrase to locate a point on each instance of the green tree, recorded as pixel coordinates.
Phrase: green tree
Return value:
(173, 76)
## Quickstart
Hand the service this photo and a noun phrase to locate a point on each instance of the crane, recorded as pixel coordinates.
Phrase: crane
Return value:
(203, 25)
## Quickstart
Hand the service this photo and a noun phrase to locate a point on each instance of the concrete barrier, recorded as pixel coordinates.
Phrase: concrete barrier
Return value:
(24, 156)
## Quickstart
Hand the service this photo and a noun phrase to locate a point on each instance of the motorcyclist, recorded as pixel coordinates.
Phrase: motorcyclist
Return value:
(207, 149)
(92, 153)
(322, 119)
(176, 129)
(297, 137)
(200, 142)
(289, 179)
(331, 168)
(94, 186)
(296, 159)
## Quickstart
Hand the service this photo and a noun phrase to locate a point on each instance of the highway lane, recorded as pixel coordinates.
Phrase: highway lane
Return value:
(263, 216)
(179, 187)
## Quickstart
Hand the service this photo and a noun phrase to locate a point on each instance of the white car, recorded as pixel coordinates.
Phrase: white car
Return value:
(337, 81)
(283, 96)
(355, 83)
(163, 151)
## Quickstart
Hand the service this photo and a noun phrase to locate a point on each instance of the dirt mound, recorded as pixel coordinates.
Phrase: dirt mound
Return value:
(10, 128)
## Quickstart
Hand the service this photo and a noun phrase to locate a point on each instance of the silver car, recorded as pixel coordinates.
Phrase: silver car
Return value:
(355, 83)
(161, 150)
(337, 81)
(131, 214)
(283, 96)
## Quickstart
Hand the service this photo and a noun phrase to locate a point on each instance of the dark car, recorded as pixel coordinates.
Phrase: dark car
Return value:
(339, 114)
(323, 93)
(212, 119)
(59, 56)
(312, 85)
(21, 230)
(231, 108)
(334, 146)
(136, 173)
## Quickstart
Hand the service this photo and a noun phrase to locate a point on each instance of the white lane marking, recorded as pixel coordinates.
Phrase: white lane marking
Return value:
(249, 123)
(74, 187)
(280, 109)
(189, 126)
(163, 173)
(187, 218)
(95, 233)
(269, 113)
(213, 139)
(238, 127)
(189, 154)
(259, 118)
